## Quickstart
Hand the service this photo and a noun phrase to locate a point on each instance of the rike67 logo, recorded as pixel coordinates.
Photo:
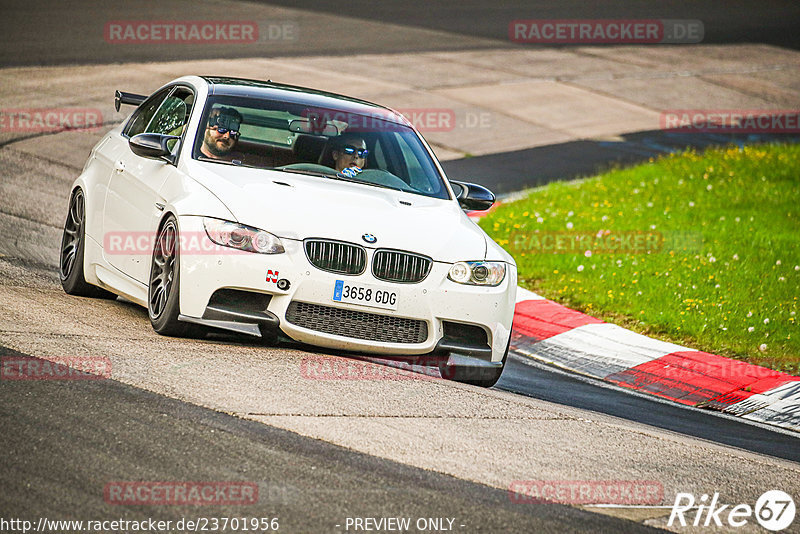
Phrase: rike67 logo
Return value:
(774, 510)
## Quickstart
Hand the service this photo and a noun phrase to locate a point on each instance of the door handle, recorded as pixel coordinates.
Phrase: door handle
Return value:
(119, 166)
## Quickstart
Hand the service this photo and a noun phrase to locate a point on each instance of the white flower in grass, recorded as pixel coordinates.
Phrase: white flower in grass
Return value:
(539, 220)
(781, 279)
(750, 329)
(604, 218)
(691, 204)
(763, 347)
(649, 204)
(580, 268)
(766, 321)
(588, 253)
(735, 256)
(652, 226)
(737, 219)
(569, 226)
(708, 187)
(712, 259)
(570, 214)
(749, 314)
(778, 262)
(716, 286)
(797, 267)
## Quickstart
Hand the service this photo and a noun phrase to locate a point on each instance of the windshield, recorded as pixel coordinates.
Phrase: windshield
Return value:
(327, 143)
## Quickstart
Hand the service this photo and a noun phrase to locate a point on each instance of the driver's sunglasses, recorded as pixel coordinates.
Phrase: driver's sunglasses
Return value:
(222, 131)
(359, 152)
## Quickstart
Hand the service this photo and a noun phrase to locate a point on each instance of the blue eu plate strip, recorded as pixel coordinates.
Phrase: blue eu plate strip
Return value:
(337, 290)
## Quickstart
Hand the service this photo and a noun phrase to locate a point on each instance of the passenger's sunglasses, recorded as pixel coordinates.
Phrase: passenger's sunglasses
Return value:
(359, 152)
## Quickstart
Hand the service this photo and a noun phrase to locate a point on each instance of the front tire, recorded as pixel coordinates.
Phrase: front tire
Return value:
(163, 293)
(73, 245)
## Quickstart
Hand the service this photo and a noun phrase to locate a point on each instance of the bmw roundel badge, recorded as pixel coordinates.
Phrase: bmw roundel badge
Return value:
(369, 238)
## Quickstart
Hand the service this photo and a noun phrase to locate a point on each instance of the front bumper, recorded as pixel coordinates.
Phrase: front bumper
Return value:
(436, 300)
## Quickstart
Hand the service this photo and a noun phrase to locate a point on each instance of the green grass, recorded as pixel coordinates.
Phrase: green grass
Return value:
(721, 272)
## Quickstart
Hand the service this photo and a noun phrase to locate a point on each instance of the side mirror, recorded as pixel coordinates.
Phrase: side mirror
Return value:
(153, 146)
(472, 197)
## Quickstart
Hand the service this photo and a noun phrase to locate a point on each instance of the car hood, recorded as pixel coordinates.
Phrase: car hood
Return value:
(295, 206)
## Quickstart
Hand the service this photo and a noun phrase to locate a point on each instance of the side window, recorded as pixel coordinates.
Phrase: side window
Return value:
(173, 114)
(141, 117)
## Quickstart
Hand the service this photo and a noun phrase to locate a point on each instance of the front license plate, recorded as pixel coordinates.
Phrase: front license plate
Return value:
(365, 295)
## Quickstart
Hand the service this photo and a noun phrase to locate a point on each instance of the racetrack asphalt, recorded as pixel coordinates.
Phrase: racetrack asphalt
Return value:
(773, 21)
(63, 441)
(44, 32)
(540, 381)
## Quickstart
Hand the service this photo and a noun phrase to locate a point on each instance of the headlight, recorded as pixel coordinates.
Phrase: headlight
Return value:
(239, 236)
(478, 273)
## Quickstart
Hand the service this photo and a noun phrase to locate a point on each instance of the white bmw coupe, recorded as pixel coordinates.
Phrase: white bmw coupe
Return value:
(260, 208)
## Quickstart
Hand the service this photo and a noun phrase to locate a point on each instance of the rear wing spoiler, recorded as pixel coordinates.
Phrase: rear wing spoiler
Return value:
(131, 99)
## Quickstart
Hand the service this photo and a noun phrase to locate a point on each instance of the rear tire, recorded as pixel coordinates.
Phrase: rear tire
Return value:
(73, 245)
(163, 292)
(477, 376)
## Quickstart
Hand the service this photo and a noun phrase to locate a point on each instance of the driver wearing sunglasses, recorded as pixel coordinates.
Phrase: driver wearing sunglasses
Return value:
(350, 154)
(222, 134)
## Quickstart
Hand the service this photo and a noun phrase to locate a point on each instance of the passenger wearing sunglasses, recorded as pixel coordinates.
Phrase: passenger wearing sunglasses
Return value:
(350, 154)
(222, 134)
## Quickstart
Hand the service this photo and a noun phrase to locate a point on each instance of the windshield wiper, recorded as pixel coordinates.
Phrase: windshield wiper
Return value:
(307, 173)
(339, 177)
(227, 162)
